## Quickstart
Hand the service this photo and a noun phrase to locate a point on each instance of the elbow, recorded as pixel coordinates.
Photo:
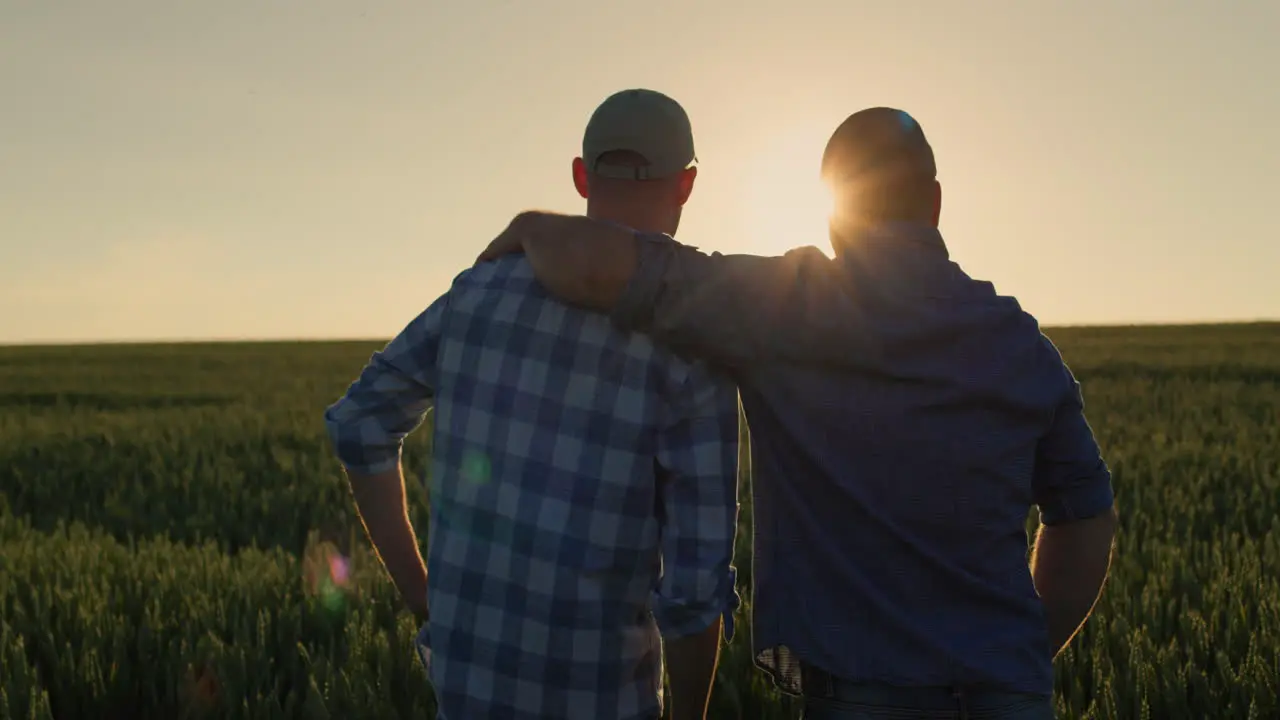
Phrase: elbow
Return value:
(333, 427)
(362, 447)
(1099, 533)
(1106, 522)
(1088, 502)
(1090, 539)
(1112, 518)
(338, 428)
(1102, 524)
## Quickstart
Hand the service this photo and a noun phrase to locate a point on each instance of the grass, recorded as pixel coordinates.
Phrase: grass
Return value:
(168, 514)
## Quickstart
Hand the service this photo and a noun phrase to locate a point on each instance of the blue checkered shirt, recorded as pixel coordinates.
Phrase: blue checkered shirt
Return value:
(583, 495)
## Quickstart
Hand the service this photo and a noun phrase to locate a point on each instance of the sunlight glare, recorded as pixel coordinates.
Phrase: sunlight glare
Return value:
(786, 204)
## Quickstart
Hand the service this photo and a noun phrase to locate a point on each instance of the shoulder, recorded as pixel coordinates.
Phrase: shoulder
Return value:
(483, 283)
(807, 254)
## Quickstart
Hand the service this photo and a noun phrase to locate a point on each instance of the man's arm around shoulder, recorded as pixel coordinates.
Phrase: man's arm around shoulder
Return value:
(696, 598)
(740, 310)
(731, 309)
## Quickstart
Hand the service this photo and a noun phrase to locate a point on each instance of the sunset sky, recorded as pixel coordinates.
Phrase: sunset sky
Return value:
(323, 168)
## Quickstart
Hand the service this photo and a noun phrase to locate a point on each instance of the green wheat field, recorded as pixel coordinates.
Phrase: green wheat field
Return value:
(177, 541)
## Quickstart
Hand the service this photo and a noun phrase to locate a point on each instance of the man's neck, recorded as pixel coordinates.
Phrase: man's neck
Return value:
(904, 232)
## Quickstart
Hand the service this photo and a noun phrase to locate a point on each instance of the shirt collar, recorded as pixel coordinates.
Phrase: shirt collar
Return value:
(899, 237)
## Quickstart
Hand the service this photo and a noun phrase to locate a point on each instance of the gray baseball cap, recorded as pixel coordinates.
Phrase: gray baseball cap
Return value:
(645, 122)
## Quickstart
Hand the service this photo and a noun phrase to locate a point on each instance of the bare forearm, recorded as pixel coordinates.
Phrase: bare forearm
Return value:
(691, 668)
(732, 309)
(738, 310)
(380, 500)
(1069, 567)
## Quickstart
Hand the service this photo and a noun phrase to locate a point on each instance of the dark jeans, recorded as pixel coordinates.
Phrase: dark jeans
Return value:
(828, 698)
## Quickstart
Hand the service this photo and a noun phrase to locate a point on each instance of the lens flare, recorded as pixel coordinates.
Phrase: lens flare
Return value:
(327, 575)
(476, 468)
(338, 570)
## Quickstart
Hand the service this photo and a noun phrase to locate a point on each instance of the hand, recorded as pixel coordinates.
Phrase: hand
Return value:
(526, 225)
(421, 612)
(422, 617)
(511, 239)
(581, 261)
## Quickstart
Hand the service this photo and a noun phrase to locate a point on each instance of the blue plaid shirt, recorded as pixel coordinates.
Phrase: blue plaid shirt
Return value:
(583, 497)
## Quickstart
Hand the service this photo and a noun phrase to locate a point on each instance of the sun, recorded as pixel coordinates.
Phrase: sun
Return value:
(786, 204)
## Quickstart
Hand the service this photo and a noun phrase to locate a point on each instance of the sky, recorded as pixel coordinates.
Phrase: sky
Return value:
(323, 168)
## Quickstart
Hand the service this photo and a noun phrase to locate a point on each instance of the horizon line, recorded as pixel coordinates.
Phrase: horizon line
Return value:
(284, 339)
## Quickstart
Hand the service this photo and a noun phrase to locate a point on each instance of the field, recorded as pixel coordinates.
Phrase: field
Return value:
(176, 540)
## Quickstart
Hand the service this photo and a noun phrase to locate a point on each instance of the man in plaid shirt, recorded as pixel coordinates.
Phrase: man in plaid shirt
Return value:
(583, 481)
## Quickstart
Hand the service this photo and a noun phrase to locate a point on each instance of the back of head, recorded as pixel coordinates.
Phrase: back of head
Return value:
(636, 166)
(881, 169)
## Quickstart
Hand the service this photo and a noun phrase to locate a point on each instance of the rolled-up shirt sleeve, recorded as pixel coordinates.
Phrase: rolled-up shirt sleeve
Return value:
(1071, 481)
(739, 309)
(390, 399)
(699, 450)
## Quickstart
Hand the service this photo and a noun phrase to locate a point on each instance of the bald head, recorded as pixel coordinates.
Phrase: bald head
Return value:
(880, 168)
